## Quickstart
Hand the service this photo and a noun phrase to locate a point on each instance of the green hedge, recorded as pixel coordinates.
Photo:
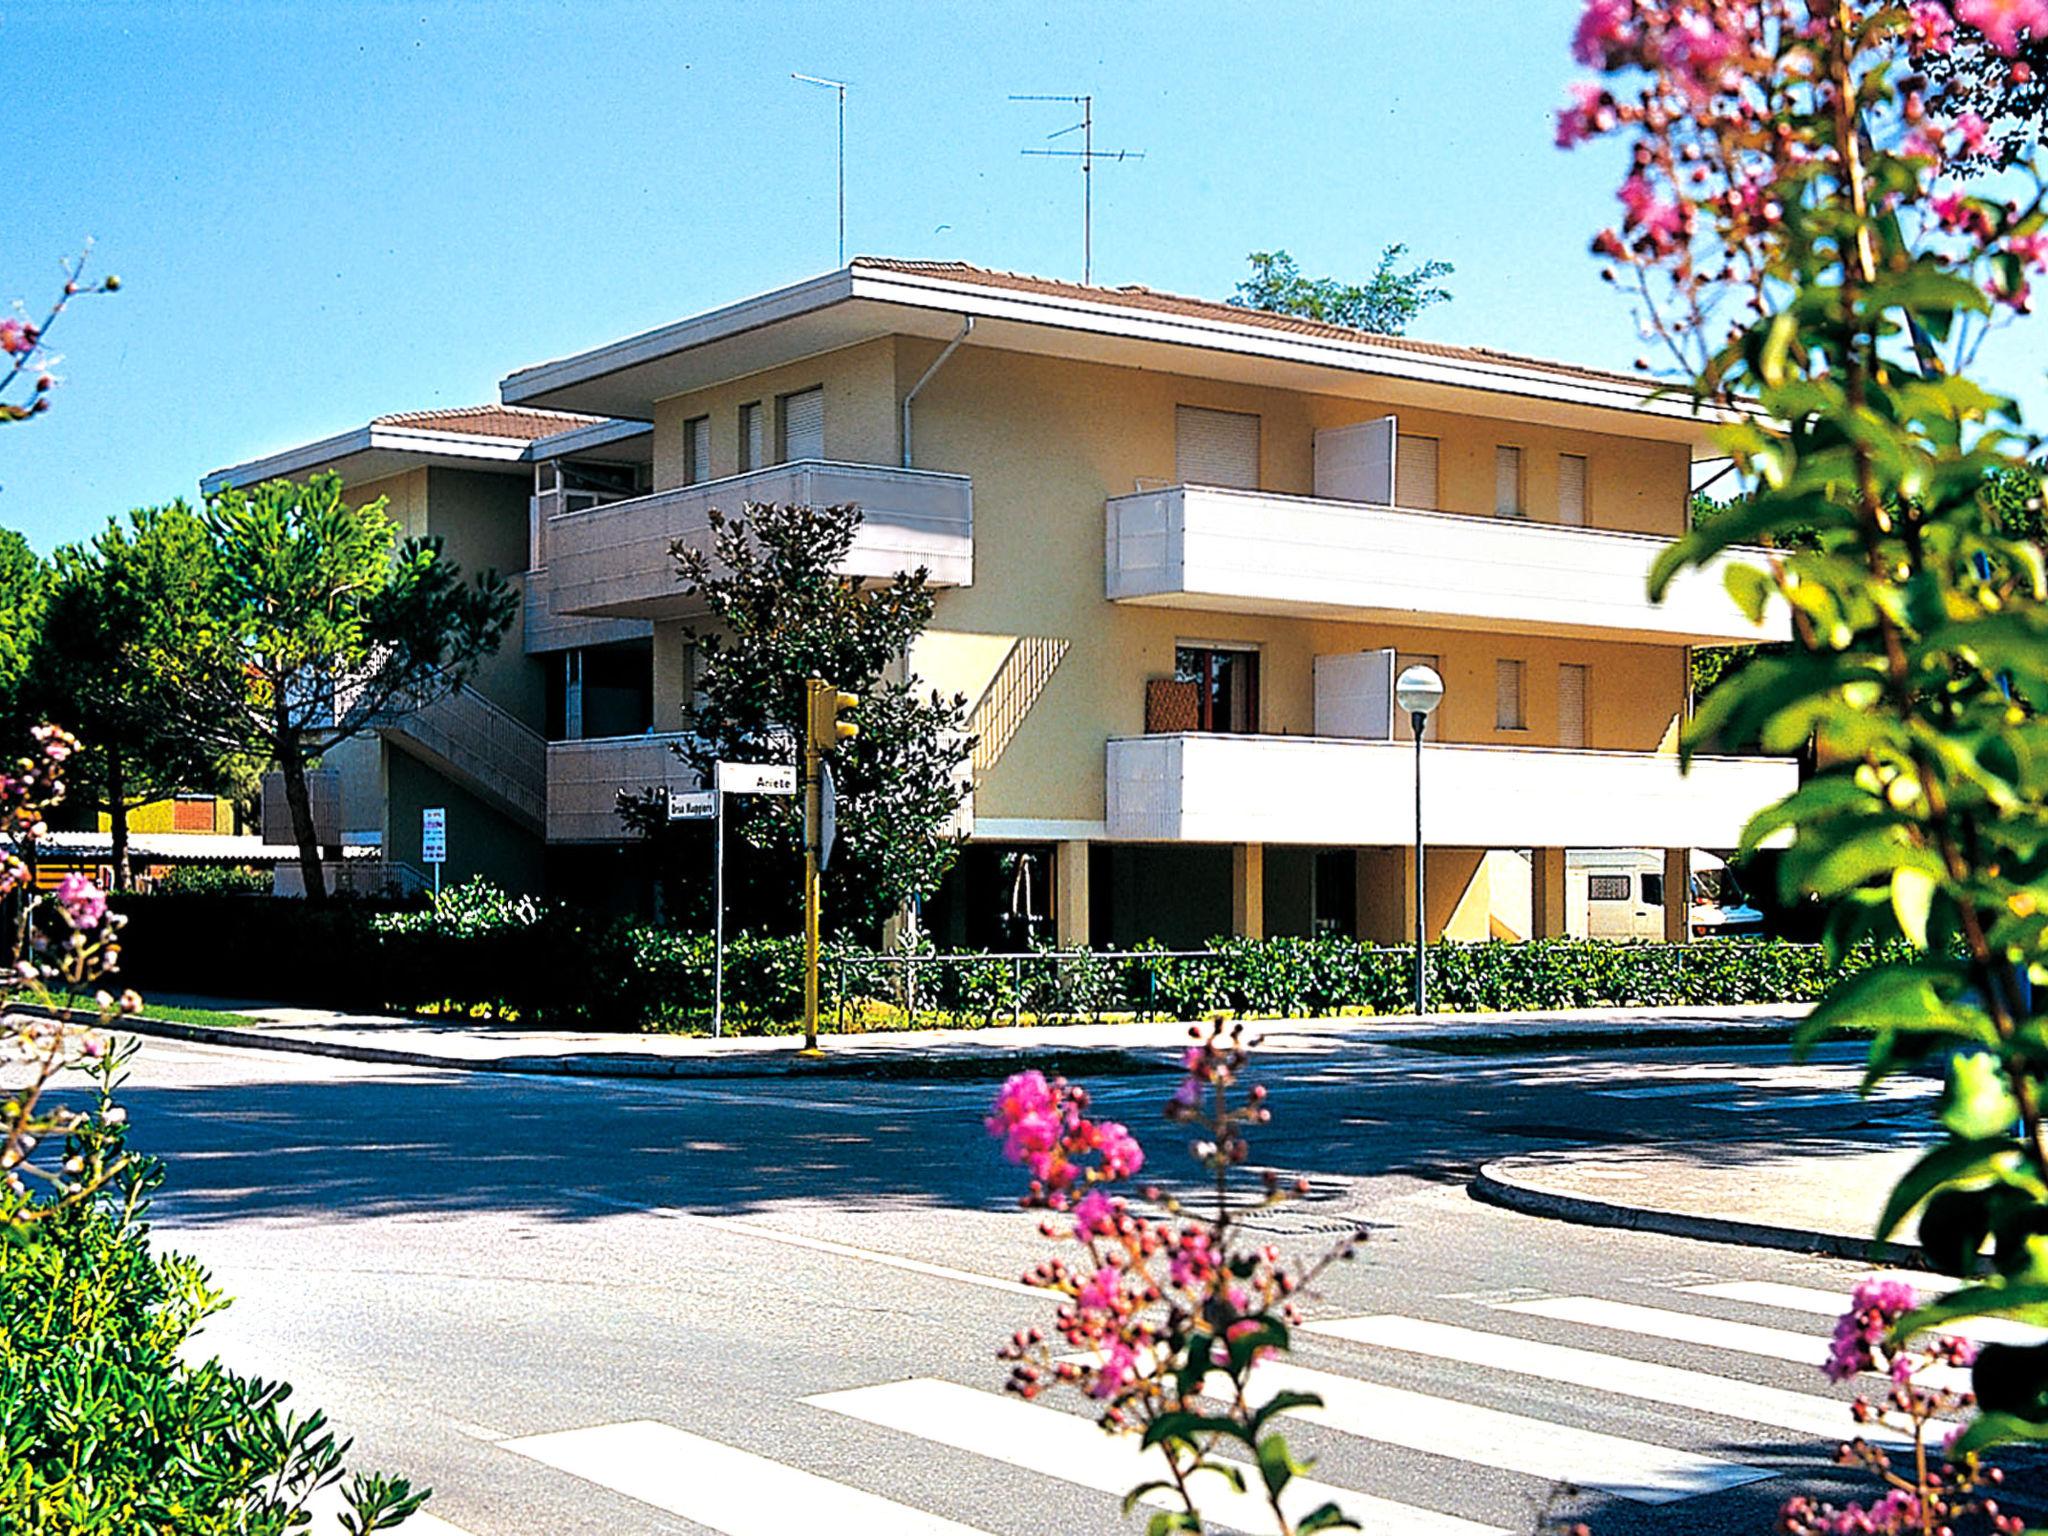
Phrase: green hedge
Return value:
(484, 954)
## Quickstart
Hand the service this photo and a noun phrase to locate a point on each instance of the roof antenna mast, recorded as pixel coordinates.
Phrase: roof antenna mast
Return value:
(1087, 154)
(840, 87)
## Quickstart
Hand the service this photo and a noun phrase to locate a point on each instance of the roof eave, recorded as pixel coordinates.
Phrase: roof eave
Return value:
(412, 441)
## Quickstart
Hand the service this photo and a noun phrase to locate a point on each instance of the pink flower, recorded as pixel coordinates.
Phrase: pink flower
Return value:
(1603, 31)
(1591, 113)
(1976, 134)
(1961, 215)
(84, 904)
(2031, 249)
(1663, 220)
(1026, 1119)
(1702, 51)
(2002, 21)
(1933, 27)
(1121, 1155)
(1118, 1366)
(1873, 1308)
(1189, 1093)
(1099, 1294)
(17, 337)
(1193, 1259)
(1095, 1215)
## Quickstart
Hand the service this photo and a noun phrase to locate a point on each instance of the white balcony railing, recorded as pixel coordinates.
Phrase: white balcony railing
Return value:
(1325, 790)
(615, 559)
(1255, 552)
(586, 777)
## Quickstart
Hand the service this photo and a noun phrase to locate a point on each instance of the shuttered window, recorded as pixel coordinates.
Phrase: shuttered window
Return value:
(1215, 448)
(1415, 473)
(803, 426)
(1507, 696)
(753, 436)
(697, 450)
(1507, 482)
(1571, 489)
(1571, 704)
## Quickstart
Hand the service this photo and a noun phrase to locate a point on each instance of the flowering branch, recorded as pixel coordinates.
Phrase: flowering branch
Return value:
(26, 344)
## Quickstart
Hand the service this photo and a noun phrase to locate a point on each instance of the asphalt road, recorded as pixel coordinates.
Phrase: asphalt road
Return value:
(584, 1307)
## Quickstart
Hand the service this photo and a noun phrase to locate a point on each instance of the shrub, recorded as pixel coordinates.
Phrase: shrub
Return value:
(213, 880)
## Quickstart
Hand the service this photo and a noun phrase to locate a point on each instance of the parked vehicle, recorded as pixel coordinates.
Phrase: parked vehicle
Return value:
(1618, 893)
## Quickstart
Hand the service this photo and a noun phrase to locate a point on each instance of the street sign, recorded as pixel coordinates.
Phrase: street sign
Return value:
(434, 835)
(756, 779)
(692, 804)
(828, 814)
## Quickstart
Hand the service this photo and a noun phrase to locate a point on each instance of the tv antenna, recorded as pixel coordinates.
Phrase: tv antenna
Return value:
(840, 87)
(1087, 154)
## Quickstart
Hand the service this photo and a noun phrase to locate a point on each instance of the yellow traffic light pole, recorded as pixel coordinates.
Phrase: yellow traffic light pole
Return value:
(823, 730)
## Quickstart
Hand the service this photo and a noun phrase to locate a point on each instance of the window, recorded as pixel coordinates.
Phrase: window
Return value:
(803, 426)
(1571, 489)
(192, 813)
(1215, 448)
(1226, 686)
(1653, 890)
(696, 450)
(1507, 696)
(1573, 684)
(1507, 482)
(753, 436)
(1607, 887)
(1404, 728)
(1415, 473)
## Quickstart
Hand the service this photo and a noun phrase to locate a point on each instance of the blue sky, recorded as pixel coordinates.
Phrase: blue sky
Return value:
(327, 211)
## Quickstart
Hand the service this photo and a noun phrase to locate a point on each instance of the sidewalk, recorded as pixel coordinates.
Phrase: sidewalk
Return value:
(1070, 1048)
(1819, 1195)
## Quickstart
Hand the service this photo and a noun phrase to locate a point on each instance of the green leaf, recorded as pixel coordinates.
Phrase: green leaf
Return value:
(2002, 1299)
(1325, 1517)
(1167, 1521)
(1989, 1429)
(1276, 1465)
(1912, 899)
(1183, 1427)
(1283, 1402)
(1953, 1163)
(1976, 1102)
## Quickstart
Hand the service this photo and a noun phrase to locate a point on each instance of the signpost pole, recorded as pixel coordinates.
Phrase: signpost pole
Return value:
(718, 913)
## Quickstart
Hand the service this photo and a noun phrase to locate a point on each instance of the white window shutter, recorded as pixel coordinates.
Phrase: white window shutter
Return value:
(1415, 473)
(1356, 463)
(1507, 706)
(753, 439)
(698, 452)
(803, 426)
(1216, 448)
(1571, 704)
(1571, 489)
(1507, 482)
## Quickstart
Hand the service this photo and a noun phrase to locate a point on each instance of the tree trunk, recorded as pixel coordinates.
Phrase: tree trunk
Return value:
(291, 761)
(117, 817)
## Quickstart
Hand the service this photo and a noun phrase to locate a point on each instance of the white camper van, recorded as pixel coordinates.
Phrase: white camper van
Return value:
(1618, 893)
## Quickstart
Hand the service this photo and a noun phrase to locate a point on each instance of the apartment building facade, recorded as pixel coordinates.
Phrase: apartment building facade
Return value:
(1180, 549)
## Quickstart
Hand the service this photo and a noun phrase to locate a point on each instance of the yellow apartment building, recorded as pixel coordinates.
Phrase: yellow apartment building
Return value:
(1181, 551)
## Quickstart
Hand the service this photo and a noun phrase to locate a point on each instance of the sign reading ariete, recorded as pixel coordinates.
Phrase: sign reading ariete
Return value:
(692, 804)
(756, 779)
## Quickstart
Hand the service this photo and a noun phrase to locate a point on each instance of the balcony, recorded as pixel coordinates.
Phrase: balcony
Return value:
(1328, 790)
(585, 778)
(614, 559)
(1237, 551)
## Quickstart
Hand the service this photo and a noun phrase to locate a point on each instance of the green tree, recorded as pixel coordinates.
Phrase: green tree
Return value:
(336, 623)
(130, 635)
(1386, 303)
(24, 595)
(779, 613)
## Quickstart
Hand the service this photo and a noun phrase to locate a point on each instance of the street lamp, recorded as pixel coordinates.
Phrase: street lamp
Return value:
(1418, 690)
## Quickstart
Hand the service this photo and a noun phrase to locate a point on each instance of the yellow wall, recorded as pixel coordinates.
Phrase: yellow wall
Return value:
(1048, 440)
(156, 817)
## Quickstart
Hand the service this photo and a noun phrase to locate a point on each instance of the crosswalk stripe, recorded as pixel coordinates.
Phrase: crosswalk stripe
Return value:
(1802, 1298)
(1887, 1094)
(1487, 1437)
(1801, 1412)
(1712, 1332)
(1072, 1449)
(729, 1490)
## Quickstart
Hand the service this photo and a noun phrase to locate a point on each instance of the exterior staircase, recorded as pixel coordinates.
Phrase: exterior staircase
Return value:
(484, 748)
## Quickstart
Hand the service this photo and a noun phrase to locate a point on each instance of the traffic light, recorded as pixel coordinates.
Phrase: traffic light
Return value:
(827, 704)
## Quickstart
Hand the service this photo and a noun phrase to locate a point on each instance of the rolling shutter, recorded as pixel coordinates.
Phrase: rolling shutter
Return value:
(1507, 482)
(1415, 473)
(803, 426)
(753, 439)
(1571, 489)
(1216, 448)
(697, 451)
(1571, 705)
(1507, 697)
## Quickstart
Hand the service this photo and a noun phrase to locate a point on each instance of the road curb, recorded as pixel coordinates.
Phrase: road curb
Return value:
(1492, 1188)
(987, 1065)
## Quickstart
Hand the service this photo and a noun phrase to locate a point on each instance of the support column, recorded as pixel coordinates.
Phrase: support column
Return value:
(1677, 895)
(1546, 893)
(1070, 894)
(1248, 890)
(1386, 895)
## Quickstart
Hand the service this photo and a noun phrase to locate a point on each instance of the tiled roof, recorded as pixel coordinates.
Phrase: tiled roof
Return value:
(517, 421)
(1153, 301)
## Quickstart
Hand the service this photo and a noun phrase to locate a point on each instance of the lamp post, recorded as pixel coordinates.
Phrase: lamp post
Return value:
(1418, 690)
